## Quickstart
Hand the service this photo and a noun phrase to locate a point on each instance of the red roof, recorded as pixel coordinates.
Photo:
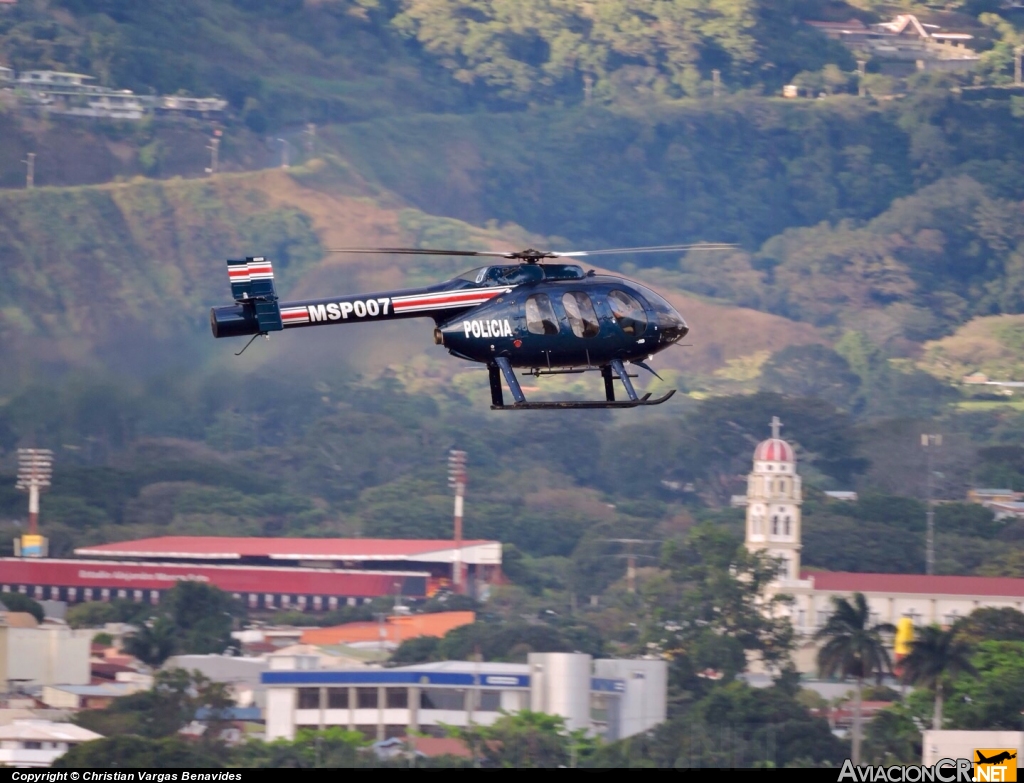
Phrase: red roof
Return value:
(224, 548)
(774, 450)
(918, 584)
(439, 746)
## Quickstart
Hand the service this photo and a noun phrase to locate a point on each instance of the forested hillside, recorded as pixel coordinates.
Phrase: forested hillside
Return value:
(879, 260)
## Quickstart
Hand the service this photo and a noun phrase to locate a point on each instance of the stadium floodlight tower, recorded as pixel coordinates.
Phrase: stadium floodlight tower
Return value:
(35, 468)
(457, 480)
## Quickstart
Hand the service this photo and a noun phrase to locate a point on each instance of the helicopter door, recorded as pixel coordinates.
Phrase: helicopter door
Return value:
(581, 314)
(628, 313)
(540, 315)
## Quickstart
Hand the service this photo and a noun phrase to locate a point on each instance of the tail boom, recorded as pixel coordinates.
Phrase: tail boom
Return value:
(441, 305)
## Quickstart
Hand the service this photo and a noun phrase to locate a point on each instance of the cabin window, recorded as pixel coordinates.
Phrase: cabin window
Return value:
(540, 315)
(627, 312)
(580, 311)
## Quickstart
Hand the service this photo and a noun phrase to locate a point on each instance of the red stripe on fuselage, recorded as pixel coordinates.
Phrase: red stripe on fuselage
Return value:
(452, 299)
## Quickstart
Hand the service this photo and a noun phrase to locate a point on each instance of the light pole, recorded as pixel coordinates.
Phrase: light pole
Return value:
(284, 153)
(35, 468)
(30, 170)
(930, 443)
(457, 480)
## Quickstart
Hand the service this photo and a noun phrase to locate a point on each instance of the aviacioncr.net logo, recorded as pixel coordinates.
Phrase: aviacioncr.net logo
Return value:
(943, 771)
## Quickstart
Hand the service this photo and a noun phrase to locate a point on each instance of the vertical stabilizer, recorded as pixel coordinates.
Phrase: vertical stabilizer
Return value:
(252, 284)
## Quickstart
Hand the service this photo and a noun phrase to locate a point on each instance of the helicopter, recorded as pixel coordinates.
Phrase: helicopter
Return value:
(530, 311)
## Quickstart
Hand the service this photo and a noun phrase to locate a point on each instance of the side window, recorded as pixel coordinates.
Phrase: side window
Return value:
(580, 311)
(628, 313)
(540, 315)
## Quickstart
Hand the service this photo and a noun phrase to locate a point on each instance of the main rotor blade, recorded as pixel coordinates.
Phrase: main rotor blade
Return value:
(416, 251)
(655, 249)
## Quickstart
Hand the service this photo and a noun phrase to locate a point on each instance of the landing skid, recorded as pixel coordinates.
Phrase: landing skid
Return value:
(534, 406)
(613, 371)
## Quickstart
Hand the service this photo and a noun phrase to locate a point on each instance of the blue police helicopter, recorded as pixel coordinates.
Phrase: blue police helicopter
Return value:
(533, 312)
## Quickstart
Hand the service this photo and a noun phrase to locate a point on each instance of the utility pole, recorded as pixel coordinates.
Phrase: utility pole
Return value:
(930, 443)
(631, 557)
(716, 82)
(310, 138)
(861, 70)
(30, 170)
(213, 147)
(284, 153)
(588, 88)
(457, 480)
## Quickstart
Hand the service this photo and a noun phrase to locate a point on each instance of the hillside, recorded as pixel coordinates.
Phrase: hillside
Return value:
(992, 346)
(123, 274)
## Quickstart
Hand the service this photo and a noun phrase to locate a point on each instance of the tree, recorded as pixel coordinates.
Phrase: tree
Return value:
(333, 747)
(722, 589)
(892, 737)
(992, 699)
(935, 656)
(133, 752)
(527, 739)
(154, 642)
(167, 707)
(418, 650)
(537, 48)
(853, 648)
(733, 725)
(17, 602)
(989, 623)
(811, 371)
(203, 615)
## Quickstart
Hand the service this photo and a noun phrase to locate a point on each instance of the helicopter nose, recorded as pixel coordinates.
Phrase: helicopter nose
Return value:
(671, 326)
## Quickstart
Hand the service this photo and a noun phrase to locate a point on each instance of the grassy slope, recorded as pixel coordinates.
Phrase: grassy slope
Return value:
(991, 345)
(113, 271)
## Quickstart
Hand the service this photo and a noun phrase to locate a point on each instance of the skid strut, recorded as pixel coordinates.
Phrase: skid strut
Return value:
(611, 372)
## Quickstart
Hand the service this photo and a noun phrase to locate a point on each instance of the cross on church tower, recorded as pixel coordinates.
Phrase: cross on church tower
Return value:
(775, 426)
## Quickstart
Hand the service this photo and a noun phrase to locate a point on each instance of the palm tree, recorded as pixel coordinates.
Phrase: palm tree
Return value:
(853, 648)
(154, 642)
(933, 656)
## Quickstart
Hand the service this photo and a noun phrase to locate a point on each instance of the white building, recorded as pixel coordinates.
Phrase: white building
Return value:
(44, 655)
(774, 524)
(613, 698)
(38, 743)
(937, 745)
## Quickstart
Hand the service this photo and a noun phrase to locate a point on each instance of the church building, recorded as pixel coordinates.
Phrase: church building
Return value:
(774, 524)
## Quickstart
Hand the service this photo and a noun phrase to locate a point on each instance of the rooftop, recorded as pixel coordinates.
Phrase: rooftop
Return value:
(114, 689)
(46, 731)
(397, 627)
(917, 584)
(224, 548)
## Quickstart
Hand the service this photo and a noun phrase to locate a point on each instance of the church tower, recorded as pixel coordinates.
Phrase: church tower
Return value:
(773, 503)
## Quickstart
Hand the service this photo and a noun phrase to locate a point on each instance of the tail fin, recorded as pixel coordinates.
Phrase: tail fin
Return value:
(252, 284)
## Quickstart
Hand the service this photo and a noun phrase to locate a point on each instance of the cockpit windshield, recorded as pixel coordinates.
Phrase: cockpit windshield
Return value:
(670, 323)
(519, 274)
